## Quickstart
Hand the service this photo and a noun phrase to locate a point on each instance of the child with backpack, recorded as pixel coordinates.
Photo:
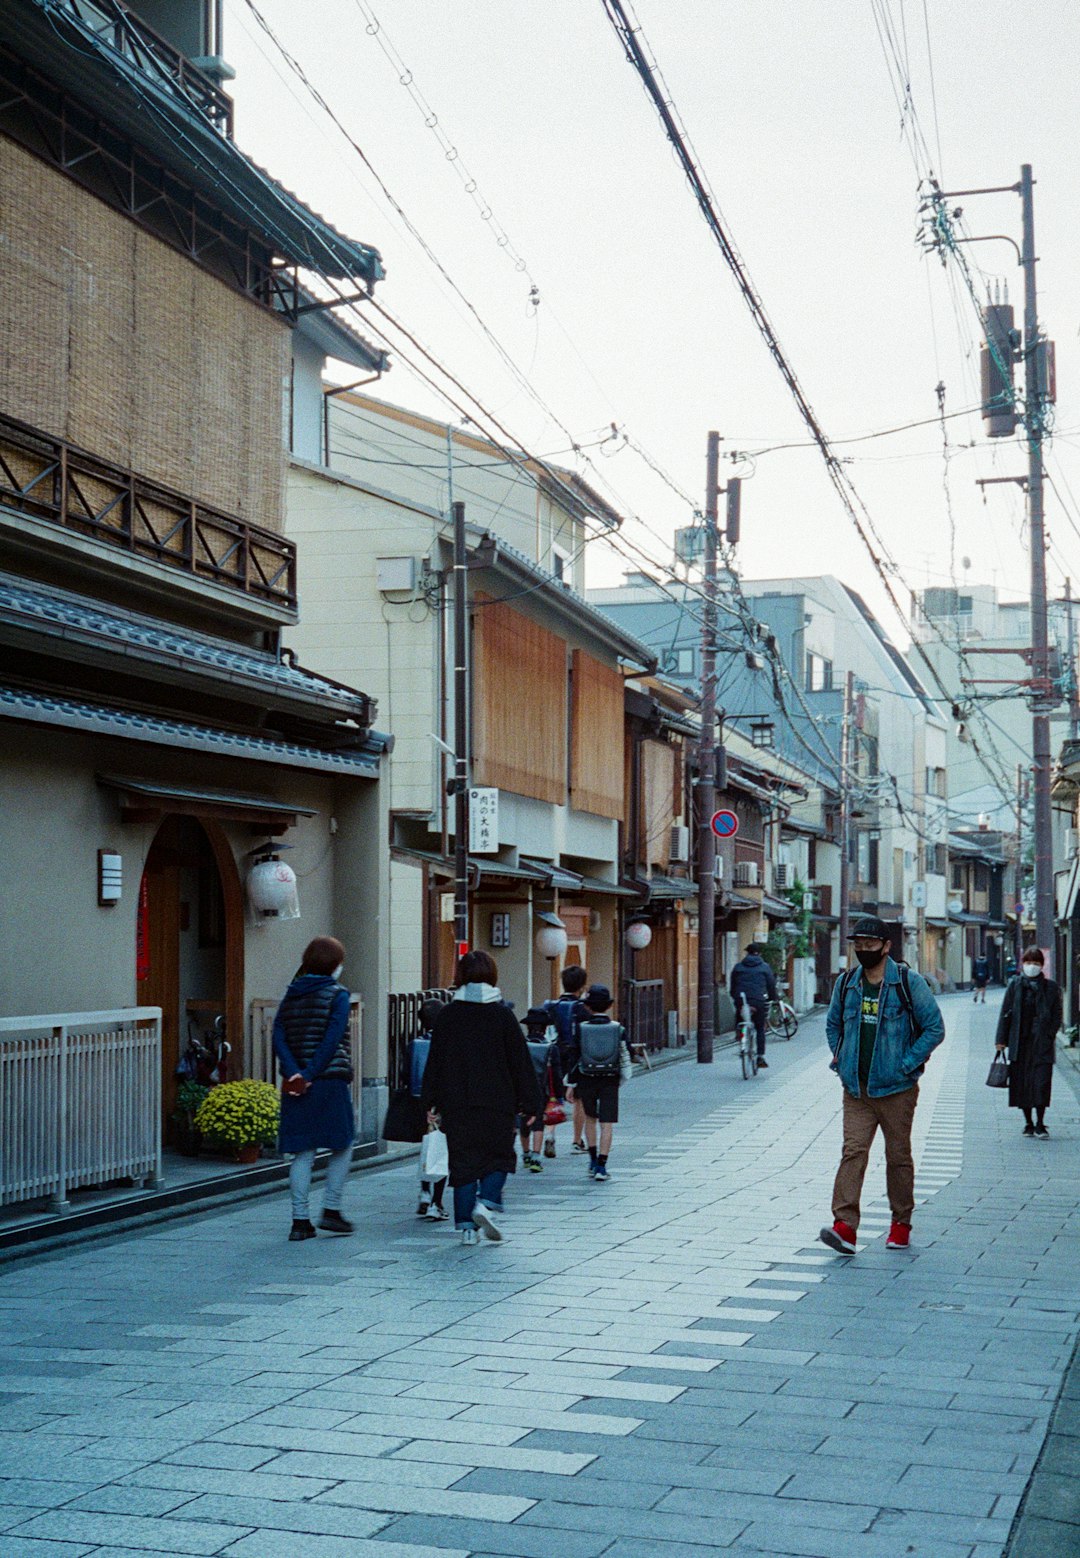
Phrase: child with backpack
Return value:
(430, 1204)
(600, 1064)
(565, 1014)
(543, 1049)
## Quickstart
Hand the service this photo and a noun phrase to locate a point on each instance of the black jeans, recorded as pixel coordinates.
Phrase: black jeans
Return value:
(757, 1015)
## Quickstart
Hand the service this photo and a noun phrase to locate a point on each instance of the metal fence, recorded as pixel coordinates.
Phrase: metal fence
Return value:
(80, 1101)
(404, 1025)
(644, 1013)
(260, 1064)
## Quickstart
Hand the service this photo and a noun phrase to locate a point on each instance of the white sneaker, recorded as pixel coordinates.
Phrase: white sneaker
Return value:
(436, 1214)
(468, 1236)
(487, 1222)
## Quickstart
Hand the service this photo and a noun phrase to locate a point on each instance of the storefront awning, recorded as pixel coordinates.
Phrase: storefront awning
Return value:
(554, 875)
(937, 924)
(777, 908)
(964, 918)
(143, 799)
(669, 889)
(596, 884)
(481, 868)
(735, 903)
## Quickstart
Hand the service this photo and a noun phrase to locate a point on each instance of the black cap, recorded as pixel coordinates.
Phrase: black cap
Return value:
(598, 998)
(869, 925)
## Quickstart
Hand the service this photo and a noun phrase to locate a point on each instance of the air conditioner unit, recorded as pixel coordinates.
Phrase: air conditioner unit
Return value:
(680, 843)
(747, 873)
(783, 876)
(1072, 843)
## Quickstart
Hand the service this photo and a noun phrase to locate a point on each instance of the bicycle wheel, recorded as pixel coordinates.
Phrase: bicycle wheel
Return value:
(790, 1023)
(774, 1017)
(747, 1054)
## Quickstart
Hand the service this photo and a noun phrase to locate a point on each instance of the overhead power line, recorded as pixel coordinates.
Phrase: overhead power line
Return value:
(631, 35)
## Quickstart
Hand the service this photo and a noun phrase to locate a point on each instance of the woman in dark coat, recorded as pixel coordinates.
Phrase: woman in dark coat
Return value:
(477, 1079)
(311, 1042)
(1027, 1029)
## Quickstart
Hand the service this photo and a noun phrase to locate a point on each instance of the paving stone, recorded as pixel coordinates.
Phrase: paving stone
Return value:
(157, 1536)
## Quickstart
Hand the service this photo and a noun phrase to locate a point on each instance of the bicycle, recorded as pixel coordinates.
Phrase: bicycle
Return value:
(746, 1038)
(782, 1020)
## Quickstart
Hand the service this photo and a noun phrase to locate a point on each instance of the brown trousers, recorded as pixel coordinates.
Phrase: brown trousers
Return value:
(862, 1116)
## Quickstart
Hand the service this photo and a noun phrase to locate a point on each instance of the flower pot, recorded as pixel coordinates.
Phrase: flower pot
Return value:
(248, 1154)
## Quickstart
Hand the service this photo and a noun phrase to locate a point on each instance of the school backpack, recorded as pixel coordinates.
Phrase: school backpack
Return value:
(542, 1055)
(599, 1048)
(563, 1014)
(904, 988)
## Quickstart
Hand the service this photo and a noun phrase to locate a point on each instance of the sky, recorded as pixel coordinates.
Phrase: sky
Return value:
(796, 123)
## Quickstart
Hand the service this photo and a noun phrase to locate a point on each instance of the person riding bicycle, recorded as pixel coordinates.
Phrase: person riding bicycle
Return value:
(754, 979)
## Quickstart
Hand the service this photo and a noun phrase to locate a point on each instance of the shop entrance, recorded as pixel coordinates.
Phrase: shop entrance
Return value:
(189, 947)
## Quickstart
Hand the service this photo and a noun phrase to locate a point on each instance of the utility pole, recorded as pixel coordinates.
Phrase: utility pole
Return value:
(1018, 940)
(1074, 689)
(845, 813)
(461, 736)
(706, 795)
(1042, 700)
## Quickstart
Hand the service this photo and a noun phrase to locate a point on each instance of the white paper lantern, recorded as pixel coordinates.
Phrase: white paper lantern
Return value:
(271, 887)
(638, 936)
(551, 941)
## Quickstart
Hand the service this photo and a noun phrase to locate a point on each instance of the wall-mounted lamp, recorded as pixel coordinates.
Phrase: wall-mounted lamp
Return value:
(110, 878)
(271, 885)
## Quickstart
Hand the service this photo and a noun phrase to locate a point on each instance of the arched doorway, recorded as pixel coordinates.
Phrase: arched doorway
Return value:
(190, 942)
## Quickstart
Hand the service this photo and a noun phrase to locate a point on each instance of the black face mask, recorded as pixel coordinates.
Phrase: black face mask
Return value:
(869, 959)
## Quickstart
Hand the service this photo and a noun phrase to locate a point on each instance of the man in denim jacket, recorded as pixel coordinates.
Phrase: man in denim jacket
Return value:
(882, 1025)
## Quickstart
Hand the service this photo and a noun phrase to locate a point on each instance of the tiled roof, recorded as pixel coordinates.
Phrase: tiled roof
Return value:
(73, 714)
(64, 614)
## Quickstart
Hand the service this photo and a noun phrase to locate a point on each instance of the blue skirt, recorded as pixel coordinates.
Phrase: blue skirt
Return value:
(322, 1118)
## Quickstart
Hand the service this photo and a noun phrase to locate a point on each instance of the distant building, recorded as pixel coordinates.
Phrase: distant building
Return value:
(819, 629)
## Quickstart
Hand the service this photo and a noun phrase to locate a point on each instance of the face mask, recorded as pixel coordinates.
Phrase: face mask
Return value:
(1032, 970)
(337, 971)
(869, 959)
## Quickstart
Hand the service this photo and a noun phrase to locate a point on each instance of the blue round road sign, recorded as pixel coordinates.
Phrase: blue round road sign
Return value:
(724, 824)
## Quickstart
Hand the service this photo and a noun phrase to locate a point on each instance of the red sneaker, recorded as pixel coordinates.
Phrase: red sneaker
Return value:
(840, 1237)
(899, 1236)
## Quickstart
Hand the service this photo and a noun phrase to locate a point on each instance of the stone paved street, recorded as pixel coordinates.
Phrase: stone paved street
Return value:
(665, 1365)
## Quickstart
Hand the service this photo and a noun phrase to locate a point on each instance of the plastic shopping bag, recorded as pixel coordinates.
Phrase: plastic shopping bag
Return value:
(434, 1156)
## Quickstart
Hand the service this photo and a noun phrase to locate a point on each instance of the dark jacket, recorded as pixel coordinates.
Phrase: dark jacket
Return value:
(311, 1030)
(753, 978)
(479, 1077)
(900, 1052)
(1046, 1018)
(980, 970)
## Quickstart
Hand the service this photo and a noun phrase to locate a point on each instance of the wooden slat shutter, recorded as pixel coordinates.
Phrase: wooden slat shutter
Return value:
(596, 748)
(519, 704)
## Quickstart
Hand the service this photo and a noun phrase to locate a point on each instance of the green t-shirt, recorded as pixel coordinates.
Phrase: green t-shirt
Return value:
(871, 995)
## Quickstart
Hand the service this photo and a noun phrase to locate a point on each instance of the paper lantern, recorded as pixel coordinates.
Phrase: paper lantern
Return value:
(638, 936)
(271, 887)
(551, 941)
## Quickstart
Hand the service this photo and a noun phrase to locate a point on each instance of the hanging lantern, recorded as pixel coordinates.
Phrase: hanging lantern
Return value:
(638, 935)
(551, 941)
(271, 888)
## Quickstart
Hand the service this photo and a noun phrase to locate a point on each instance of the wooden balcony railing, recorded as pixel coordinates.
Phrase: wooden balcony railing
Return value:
(53, 480)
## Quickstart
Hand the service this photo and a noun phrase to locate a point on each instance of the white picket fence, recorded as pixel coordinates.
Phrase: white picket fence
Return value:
(80, 1101)
(259, 1061)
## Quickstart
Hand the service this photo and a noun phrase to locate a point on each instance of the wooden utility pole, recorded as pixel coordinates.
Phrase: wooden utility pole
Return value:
(461, 736)
(845, 813)
(706, 793)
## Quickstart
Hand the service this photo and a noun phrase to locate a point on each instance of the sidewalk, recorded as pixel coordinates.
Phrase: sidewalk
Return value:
(668, 1366)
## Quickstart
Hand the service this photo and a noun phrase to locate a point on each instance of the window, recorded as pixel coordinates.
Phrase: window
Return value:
(981, 883)
(684, 662)
(938, 859)
(560, 564)
(868, 849)
(957, 877)
(818, 672)
(870, 746)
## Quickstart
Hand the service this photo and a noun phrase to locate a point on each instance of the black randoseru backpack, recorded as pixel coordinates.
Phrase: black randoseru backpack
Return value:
(599, 1048)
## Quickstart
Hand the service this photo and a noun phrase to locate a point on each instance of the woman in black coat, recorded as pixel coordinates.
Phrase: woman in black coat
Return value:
(477, 1079)
(1027, 1029)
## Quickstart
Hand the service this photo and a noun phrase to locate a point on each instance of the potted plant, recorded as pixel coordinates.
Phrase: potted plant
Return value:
(239, 1118)
(190, 1097)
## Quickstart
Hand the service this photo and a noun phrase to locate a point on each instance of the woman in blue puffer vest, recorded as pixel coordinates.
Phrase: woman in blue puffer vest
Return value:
(311, 1041)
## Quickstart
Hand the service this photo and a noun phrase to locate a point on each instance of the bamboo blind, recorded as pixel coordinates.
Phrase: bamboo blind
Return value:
(113, 341)
(657, 802)
(519, 704)
(596, 737)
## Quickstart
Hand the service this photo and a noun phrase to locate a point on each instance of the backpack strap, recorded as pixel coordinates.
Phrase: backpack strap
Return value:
(905, 1000)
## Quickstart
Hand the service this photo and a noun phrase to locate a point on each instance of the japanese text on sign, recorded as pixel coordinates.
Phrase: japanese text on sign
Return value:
(483, 821)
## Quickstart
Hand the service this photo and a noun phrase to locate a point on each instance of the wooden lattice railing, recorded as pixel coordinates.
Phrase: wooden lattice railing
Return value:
(54, 480)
